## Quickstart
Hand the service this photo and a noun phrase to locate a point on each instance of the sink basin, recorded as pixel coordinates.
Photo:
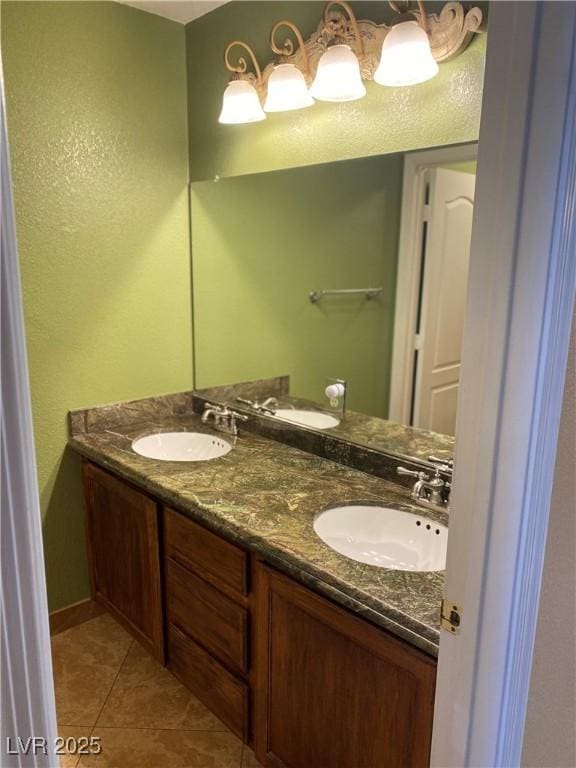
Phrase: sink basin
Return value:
(314, 419)
(181, 446)
(384, 536)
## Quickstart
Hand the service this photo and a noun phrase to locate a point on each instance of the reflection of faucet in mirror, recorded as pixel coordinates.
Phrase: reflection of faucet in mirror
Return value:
(270, 402)
(268, 406)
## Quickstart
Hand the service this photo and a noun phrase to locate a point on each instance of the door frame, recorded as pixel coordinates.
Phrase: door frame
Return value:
(27, 695)
(516, 337)
(416, 165)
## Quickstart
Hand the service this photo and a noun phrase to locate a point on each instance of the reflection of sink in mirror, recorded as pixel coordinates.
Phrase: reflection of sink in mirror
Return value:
(181, 446)
(383, 536)
(313, 419)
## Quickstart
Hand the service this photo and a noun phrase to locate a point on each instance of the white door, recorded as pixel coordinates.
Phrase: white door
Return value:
(444, 288)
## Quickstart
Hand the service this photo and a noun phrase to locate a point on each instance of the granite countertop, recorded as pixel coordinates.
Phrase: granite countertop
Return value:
(264, 496)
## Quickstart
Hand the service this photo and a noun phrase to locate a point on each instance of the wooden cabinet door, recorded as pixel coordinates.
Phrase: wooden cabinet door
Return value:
(124, 555)
(334, 691)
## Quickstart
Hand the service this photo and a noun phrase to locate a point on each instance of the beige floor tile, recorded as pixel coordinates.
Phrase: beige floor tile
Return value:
(86, 660)
(249, 758)
(132, 748)
(146, 695)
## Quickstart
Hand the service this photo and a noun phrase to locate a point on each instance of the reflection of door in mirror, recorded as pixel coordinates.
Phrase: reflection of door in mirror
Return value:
(443, 300)
(432, 337)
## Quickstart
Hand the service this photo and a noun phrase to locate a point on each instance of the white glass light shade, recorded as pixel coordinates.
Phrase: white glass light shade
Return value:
(287, 90)
(338, 76)
(406, 56)
(241, 104)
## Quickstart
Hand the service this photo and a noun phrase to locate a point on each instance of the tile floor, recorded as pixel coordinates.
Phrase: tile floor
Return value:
(108, 686)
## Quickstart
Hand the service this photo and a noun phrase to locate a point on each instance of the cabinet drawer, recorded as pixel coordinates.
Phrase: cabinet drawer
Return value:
(204, 613)
(220, 691)
(219, 562)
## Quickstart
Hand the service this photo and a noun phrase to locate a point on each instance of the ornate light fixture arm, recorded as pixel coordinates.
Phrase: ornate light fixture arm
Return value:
(338, 28)
(423, 20)
(241, 68)
(288, 48)
(404, 10)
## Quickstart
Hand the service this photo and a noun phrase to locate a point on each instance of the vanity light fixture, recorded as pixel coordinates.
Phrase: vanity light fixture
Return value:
(345, 51)
(241, 101)
(338, 76)
(406, 54)
(287, 86)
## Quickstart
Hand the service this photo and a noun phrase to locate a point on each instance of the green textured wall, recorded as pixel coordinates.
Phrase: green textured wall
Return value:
(445, 110)
(261, 243)
(96, 101)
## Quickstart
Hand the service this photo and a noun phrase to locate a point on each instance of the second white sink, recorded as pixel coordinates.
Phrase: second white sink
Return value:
(181, 446)
(314, 419)
(384, 536)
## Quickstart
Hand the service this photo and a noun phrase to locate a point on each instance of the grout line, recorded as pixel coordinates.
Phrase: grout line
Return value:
(70, 754)
(113, 682)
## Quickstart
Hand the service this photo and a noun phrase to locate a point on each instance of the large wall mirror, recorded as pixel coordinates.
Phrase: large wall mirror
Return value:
(354, 271)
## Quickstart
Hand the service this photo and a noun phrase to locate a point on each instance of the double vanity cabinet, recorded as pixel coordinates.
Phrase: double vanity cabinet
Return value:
(306, 682)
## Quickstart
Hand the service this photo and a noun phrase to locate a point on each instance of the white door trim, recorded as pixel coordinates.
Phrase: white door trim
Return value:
(28, 707)
(408, 275)
(522, 284)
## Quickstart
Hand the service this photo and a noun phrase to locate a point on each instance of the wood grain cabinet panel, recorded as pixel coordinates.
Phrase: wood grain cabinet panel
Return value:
(223, 693)
(208, 616)
(333, 691)
(124, 555)
(216, 560)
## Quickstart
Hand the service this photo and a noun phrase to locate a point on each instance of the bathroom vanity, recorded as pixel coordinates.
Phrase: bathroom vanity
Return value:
(304, 680)
(313, 658)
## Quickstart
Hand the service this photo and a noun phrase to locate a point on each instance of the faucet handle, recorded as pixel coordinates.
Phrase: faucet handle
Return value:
(269, 404)
(216, 407)
(239, 416)
(411, 473)
(256, 406)
(444, 465)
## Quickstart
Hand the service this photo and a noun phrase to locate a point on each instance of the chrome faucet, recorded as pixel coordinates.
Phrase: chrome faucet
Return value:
(433, 493)
(268, 406)
(224, 418)
(269, 403)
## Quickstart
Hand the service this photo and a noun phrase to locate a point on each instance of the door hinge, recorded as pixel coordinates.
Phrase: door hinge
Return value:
(417, 341)
(450, 616)
(426, 212)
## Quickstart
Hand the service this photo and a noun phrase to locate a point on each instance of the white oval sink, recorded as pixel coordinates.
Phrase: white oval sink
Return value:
(314, 419)
(385, 537)
(181, 446)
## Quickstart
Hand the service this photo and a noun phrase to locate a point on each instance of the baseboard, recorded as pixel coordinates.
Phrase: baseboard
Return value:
(74, 614)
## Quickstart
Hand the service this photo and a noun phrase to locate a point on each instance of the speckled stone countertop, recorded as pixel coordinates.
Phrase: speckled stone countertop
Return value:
(264, 496)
